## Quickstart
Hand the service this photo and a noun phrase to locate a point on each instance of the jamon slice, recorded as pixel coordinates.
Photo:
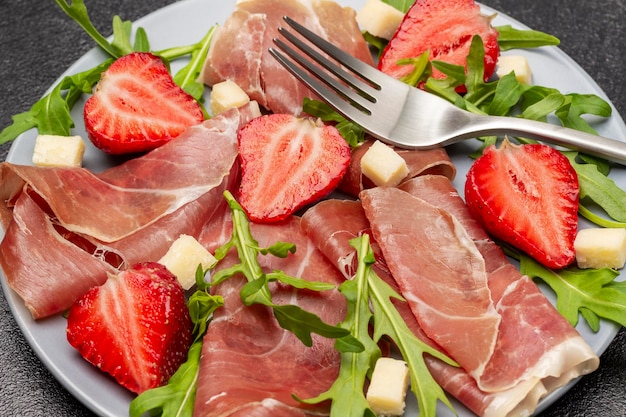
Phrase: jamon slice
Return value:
(440, 273)
(129, 214)
(534, 340)
(250, 366)
(248, 33)
(419, 162)
(331, 224)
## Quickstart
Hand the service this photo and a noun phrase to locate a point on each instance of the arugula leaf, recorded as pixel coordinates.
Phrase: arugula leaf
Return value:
(592, 292)
(293, 318)
(177, 398)
(598, 188)
(347, 394)
(77, 10)
(187, 77)
(422, 69)
(51, 114)
(511, 38)
(350, 131)
(369, 300)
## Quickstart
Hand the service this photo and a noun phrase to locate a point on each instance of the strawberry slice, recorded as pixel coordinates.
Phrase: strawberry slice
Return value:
(136, 326)
(136, 106)
(288, 162)
(445, 28)
(527, 195)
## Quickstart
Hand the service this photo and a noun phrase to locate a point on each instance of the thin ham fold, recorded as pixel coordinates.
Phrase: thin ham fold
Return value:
(250, 366)
(536, 350)
(418, 161)
(65, 228)
(239, 50)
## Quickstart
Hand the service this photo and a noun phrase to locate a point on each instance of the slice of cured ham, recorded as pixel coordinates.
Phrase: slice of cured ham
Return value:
(419, 162)
(440, 273)
(127, 214)
(534, 341)
(250, 366)
(332, 223)
(248, 33)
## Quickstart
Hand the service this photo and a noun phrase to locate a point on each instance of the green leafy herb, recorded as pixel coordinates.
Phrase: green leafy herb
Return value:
(369, 302)
(293, 318)
(593, 293)
(351, 132)
(187, 77)
(177, 398)
(597, 188)
(511, 38)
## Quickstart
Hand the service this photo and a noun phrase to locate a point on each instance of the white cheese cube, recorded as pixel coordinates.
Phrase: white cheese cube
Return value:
(383, 165)
(58, 151)
(227, 95)
(517, 64)
(379, 19)
(184, 256)
(600, 248)
(386, 393)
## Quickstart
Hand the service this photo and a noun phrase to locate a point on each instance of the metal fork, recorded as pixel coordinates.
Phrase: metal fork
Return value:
(405, 116)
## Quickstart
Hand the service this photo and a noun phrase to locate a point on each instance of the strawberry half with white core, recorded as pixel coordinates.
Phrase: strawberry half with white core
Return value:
(136, 326)
(445, 28)
(527, 195)
(286, 163)
(137, 106)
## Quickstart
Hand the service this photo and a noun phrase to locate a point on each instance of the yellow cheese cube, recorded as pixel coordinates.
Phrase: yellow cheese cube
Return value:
(227, 95)
(58, 151)
(379, 19)
(383, 165)
(386, 393)
(517, 64)
(184, 256)
(600, 248)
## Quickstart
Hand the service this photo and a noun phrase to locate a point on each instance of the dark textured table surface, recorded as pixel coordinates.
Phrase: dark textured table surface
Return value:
(38, 42)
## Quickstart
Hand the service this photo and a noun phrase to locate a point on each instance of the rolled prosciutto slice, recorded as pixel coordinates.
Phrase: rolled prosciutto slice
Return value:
(534, 341)
(250, 366)
(419, 162)
(127, 214)
(331, 224)
(440, 273)
(239, 50)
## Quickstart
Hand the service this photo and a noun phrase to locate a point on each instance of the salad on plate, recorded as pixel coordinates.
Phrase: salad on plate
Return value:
(112, 245)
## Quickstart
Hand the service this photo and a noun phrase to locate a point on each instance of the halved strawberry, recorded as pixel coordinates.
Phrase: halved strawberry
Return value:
(288, 162)
(136, 106)
(136, 326)
(445, 28)
(527, 195)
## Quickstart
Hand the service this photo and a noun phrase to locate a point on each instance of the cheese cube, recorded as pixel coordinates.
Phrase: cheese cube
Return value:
(380, 19)
(516, 63)
(387, 390)
(600, 248)
(383, 165)
(227, 95)
(58, 151)
(184, 256)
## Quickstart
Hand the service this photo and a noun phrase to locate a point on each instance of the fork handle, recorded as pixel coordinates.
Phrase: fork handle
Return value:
(611, 149)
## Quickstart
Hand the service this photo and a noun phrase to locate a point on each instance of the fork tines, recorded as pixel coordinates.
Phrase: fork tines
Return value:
(349, 94)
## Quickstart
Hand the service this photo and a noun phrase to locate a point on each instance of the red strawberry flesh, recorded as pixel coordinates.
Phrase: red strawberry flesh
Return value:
(135, 327)
(288, 162)
(527, 196)
(445, 28)
(136, 106)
